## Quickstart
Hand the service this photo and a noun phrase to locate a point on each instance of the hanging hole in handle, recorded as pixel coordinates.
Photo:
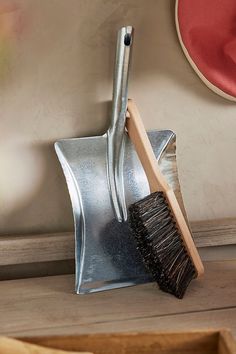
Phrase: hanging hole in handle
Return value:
(127, 39)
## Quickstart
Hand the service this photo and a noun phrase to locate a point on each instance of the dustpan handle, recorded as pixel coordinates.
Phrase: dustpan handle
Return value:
(121, 74)
(118, 117)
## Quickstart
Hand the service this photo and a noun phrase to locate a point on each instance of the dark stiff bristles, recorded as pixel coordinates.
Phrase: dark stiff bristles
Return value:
(160, 244)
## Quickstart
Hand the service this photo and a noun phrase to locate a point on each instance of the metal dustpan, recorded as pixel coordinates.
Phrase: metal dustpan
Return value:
(104, 176)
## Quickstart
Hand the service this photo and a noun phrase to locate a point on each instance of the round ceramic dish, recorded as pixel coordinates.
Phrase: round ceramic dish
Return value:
(207, 34)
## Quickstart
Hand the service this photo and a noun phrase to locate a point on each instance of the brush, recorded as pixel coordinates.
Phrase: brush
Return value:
(162, 234)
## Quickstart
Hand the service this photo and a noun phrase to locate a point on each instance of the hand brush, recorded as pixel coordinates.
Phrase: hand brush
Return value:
(157, 222)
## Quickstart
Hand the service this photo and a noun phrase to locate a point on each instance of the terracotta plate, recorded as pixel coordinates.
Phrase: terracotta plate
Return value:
(207, 33)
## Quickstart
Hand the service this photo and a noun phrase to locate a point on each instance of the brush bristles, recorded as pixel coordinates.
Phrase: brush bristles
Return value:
(160, 244)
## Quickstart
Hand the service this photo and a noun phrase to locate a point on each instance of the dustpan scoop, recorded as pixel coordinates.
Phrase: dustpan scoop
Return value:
(104, 175)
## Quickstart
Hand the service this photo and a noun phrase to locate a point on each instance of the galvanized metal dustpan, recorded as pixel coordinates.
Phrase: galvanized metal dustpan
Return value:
(104, 176)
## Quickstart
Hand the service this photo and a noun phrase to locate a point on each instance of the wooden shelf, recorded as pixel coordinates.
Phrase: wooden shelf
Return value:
(43, 306)
(22, 249)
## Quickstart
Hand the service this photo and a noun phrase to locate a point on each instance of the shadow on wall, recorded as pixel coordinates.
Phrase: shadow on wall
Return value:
(61, 77)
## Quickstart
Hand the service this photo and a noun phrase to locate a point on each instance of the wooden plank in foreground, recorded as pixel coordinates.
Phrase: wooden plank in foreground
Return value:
(40, 304)
(202, 320)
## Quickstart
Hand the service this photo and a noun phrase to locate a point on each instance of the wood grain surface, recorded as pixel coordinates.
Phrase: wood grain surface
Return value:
(191, 342)
(14, 346)
(49, 306)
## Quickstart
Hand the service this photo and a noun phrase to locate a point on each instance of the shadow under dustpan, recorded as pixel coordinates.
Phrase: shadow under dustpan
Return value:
(106, 254)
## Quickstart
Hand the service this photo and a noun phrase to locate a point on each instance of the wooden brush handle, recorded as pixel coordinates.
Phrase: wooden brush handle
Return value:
(138, 136)
(184, 232)
(156, 180)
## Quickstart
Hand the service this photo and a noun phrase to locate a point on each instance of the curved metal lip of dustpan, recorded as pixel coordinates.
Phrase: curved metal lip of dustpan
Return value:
(106, 255)
(207, 36)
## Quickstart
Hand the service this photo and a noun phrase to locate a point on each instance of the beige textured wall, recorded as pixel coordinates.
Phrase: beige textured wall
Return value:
(58, 83)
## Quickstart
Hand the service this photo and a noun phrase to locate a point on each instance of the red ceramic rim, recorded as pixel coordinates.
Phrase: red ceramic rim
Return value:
(207, 34)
